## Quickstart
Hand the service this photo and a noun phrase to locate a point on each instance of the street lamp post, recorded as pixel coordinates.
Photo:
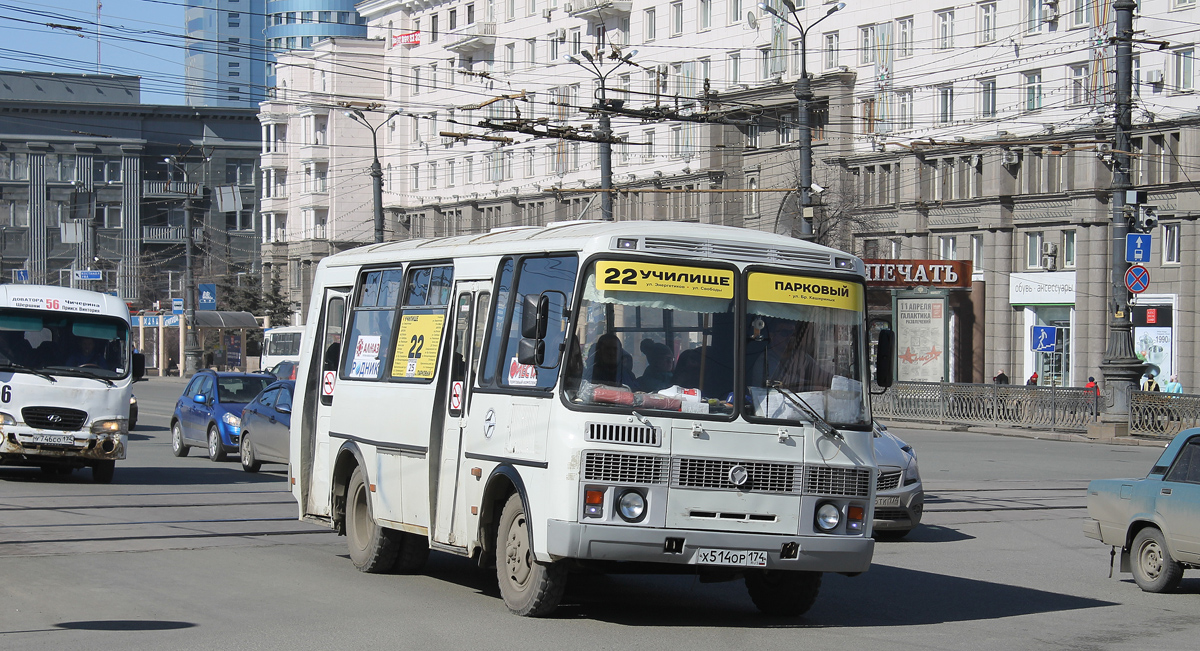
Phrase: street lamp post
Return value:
(804, 95)
(594, 64)
(376, 170)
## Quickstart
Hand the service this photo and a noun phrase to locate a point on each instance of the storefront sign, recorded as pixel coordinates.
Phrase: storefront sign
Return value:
(920, 339)
(1049, 288)
(918, 273)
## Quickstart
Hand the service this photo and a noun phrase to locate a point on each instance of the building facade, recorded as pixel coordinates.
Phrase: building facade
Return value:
(982, 133)
(224, 59)
(91, 180)
(299, 24)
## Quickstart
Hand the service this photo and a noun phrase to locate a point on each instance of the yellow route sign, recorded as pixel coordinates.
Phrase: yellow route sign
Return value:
(805, 290)
(664, 279)
(417, 345)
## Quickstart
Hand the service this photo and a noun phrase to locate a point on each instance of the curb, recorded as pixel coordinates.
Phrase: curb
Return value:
(1031, 433)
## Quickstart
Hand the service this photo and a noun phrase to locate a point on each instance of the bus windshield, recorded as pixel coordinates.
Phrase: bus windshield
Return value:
(654, 337)
(64, 343)
(804, 348)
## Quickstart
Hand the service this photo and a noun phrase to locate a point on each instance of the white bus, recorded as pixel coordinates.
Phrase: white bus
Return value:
(280, 345)
(66, 370)
(650, 395)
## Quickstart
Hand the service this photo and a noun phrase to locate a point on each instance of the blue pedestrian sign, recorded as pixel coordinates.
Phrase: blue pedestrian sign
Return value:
(1137, 279)
(1137, 247)
(177, 306)
(1043, 339)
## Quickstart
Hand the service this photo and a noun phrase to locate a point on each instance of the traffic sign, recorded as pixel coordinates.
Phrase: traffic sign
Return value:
(208, 296)
(1137, 247)
(177, 306)
(22, 275)
(1137, 279)
(88, 274)
(1043, 339)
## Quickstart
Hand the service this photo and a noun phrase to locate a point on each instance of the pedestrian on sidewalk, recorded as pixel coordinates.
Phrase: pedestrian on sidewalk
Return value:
(1033, 380)
(1000, 378)
(1149, 383)
(1173, 385)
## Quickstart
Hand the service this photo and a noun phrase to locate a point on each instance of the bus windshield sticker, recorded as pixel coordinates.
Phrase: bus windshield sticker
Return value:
(366, 357)
(417, 345)
(521, 375)
(804, 290)
(664, 279)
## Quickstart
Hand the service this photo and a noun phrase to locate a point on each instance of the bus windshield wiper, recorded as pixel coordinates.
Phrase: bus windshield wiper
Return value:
(818, 421)
(21, 368)
(80, 372)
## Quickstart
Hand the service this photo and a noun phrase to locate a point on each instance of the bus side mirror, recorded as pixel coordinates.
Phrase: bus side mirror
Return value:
(531, 352)
(885, 358)
(139, 366)
(535, 315)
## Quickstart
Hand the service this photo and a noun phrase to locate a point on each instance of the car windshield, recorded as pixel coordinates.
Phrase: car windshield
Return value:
(64, 343)
(241, 389)
(654, 337)
(803, 348)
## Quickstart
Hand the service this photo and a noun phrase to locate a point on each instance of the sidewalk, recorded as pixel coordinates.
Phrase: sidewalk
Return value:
(1030, 433)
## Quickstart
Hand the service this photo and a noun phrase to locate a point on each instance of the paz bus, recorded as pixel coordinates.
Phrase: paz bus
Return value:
(638, 395)
(66, 371)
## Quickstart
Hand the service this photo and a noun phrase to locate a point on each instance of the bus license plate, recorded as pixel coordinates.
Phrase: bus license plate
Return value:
(54, 439)
(887, 500)
(731, 557)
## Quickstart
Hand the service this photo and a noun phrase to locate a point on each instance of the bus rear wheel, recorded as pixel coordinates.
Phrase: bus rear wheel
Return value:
(373, 549)
(529, 588)
(782, 593)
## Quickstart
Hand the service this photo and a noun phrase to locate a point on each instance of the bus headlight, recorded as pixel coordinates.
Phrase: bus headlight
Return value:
(631, 506)
(110, 426)
(828, 517)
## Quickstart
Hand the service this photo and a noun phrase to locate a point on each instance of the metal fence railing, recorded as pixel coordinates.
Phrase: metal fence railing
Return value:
(1162, 414)
(1069, 409)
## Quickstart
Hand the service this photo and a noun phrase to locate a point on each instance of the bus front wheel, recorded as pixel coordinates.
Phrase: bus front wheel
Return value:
(529, 588)
(102, 471)
(373, 549)
(783, 593)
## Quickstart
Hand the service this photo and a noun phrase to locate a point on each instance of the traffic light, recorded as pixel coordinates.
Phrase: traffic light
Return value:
(1143, 219)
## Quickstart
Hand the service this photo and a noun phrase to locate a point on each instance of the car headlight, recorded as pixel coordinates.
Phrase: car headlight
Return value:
(133, 400)
(829, 516)
(6, 419)
(232, 421)
(110, 426)
(631, 506)
(912, 474)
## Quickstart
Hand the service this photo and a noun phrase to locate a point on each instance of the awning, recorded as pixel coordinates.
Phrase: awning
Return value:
(219, 319)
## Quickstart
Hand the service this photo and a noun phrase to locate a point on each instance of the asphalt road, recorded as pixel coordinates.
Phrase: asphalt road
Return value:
(188, 554)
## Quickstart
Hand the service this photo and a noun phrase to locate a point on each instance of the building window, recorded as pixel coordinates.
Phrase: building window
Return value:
(866, 45)
(752, 196)
(987, 22)
(1170, 240)
(107, 169)
(735, 68)
(735, 12)
(831, 50)
(576, 40)
(1078, 94)
(1081, 13)
(1033, 16)
(904, 110)
(947, 249)
(648, 25)
(945, 104)
(977, 254)
(987, 92)
(904, 37)
(1033, 250)
(945, 30)
(1033, 90)
(869, 124)
(1068, 249)
(1184, 69)
(705, 14)
(676, 18)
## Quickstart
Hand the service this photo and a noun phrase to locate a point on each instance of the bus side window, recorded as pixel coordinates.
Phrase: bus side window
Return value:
(483, 302)
(495, 334)
(554, 276)
(333, 333)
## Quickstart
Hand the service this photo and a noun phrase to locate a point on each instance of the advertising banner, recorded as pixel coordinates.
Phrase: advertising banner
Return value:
(920, 339)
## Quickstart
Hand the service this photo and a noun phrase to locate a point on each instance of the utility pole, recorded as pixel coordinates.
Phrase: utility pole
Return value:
(604, 135)
(1121, 367)
(376, 171)
(191, 344)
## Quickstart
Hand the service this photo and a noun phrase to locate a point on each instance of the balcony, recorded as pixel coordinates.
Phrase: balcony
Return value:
(169, 234)
(318, 153)
(169, 189)
(480, 36)
(273, 204)
(276, 159)
(598, 10)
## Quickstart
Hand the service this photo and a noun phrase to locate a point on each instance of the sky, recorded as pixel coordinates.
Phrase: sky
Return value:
(137, 37)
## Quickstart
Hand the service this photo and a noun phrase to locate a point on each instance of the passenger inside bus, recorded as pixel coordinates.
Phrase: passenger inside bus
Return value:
(687, 370)
(790, 358)
(15, 348)
(609, 364)
(85, 351)
(659, 366)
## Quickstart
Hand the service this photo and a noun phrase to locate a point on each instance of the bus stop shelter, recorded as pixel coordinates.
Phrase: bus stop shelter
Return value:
(231, 327)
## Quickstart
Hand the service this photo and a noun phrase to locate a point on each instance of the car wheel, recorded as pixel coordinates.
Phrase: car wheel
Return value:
(216, 449)
(249, 463)
(1153, 568)
(891, 534)
(783, 593)
(178, 447)
(529, 588)
(373, 549)
(102, 471)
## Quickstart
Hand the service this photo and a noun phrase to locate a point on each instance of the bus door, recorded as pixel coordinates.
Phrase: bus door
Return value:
(320, 385)
(471, 303)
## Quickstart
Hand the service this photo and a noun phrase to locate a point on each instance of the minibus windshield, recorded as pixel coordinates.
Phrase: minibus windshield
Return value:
(63, 343)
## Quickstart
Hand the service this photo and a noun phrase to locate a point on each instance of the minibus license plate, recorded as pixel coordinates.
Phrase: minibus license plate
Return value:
(887, 500)
(54, 439)
(731, 557)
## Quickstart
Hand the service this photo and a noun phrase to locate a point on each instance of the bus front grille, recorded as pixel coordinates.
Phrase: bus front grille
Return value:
(841, 482)
(58, 418)
(617, 468)
(762, 477)
(888, 481)
(627, 434)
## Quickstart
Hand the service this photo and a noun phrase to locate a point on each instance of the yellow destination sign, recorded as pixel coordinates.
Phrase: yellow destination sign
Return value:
(664, 279)
(417, 345)
(804, 290)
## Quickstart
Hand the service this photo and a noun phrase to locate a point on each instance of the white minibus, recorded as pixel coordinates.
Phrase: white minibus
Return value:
(280, 345)
(646, 396)
(66, 370)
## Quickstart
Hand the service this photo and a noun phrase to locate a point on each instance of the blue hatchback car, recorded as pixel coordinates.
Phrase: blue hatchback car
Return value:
(208, 414)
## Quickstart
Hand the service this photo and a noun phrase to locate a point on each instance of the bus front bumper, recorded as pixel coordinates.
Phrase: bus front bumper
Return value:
(31, 446)
(682, 546)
